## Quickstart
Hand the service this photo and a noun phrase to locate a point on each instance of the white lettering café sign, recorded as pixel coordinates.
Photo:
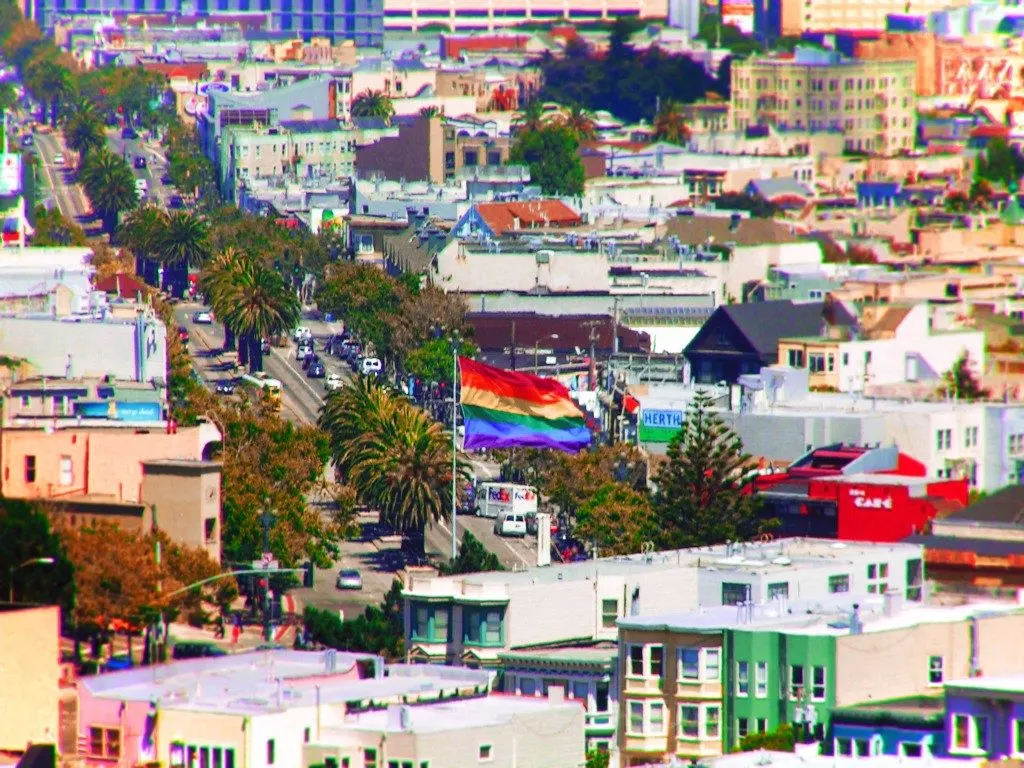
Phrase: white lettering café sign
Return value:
(862, 500)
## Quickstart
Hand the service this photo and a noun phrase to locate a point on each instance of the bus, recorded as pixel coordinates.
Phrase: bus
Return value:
(269, 386)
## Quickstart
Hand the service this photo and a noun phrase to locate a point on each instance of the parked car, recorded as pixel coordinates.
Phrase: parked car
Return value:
(265, 346)
(202, 318)
(302, 333)
(371, 366)
(140, 161)
(128, 133)
(349, 578)
(183, 334)
(309, 360)
(225, 388)
(511, 524)
(316, 371)
(196, 649)
(302, 353)
(175, 201)
(58, 159)
(332, 382)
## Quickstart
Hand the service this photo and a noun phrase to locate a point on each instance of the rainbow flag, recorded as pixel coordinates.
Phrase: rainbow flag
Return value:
(503, 409)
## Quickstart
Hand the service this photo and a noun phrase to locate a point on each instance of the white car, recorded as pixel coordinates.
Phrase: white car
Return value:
(58, 159)
(302, 333)
(202, 318)
(332, 382)
(512, 524)
(371, 366)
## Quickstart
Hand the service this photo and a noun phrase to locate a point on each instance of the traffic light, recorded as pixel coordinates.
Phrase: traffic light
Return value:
(307, 574)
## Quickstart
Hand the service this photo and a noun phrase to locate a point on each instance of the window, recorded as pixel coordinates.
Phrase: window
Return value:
(943, 439)
(636, 660)
(1017, 735)
(105, 742)
(657, 661)
(781, 589)
(796, 358)
(527, 686)
(30, 469)
(609, 613)
(761, 679)
(970, 734)
(656, 719)
(816, 363)
(712, 721)
(861, 748)
(742, 678)
(817, 683)
(935, 670)
(430, 623)
(636, 718)
(735, 594)
(915, 579)
(839, 582)
(796, 681)
(910, 749)
(486, 753)
(96, 741)
(270, 751)
(689, 722)
(762, 725)
(712, 664)
(305, 736)
(742, 727)
(67, 474)
(843, 747)
(689, 664)
(369, 758)
(482, 626)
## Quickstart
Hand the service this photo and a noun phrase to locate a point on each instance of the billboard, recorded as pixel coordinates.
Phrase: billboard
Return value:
(659, 426)
(739, 13)
(10, 174)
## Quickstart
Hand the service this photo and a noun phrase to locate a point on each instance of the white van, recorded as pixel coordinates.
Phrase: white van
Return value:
(511, 524)
(371, 365)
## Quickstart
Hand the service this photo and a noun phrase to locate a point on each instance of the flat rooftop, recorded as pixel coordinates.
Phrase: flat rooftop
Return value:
(459, 715)
(999, 684)
(602, 653)
(275, 680)
(768, 557)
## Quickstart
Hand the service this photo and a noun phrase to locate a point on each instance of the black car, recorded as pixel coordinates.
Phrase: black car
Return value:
(196, 649)
(310, 360)
(316, 371)
(26, 141)
(140, 161)
(225, 388)
(175, 202)
(128, 133)
(165, 179)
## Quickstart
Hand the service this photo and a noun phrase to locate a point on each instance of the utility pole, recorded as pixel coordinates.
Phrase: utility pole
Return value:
(266, 520)
(593, 325)
(512, 349)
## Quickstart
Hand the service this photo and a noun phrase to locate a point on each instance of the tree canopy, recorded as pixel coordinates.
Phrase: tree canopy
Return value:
(378, 630)
(617, 520)
(962, 382)
(473, 557)
(551, 154)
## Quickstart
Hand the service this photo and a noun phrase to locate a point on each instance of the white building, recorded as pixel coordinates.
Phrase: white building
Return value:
(57, 281)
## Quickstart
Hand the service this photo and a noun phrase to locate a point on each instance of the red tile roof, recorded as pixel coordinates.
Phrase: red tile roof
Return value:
(991, 131)
(122, 285)
(532, 214)
(188, 70)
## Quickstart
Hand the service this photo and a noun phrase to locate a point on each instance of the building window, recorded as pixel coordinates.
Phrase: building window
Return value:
(842, 747)
(483, 626)
(839, 582)
(30, 469)
(689, 664)
(817, 683)
(762, 725)
(636, 660)
(369, 758)
(935, 674)
(657, 661)
(1017, 731)
(796, 681)
(761, 679)
(712, 664)
(656, 718)
(781, 589)
(609, 613)
(689, 722)
(430, 623)
(816, 363)
(636, 718)
(580, 691)
(486, 753)
(910, 749)
(796, 358)
(712, 721)
(943, 439)
(735, 594)
(270, 751)
(67, 473)
(527, 686)
(970, 734)
(742, 728)
(742, 678)
(915, 579)
(878, 576)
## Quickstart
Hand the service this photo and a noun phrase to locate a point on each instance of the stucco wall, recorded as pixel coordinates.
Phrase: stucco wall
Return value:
(29, 676)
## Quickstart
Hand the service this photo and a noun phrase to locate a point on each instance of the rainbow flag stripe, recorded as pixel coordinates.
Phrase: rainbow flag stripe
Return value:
(503, 409)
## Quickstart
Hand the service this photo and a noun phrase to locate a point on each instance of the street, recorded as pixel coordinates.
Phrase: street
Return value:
(68, 196)
(156, 163)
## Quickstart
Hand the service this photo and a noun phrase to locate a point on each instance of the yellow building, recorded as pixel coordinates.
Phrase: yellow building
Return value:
(794, 17)
(872, 103)
(29, 676)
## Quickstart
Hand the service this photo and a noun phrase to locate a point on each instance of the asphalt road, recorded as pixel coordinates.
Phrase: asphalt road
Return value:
(67, 194)
(156, 163)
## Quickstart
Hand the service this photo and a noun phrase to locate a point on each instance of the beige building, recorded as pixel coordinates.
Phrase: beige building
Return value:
(798, 16)
(873, 103)
(29, 676)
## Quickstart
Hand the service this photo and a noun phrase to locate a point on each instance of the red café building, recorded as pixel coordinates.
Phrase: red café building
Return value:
(857, 493)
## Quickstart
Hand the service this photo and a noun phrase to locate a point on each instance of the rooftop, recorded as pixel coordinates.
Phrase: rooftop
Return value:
(601, 654)
(1002, 684)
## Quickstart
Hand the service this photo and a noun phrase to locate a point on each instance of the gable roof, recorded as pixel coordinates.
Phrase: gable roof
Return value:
(695, 230)
(770, 189)
(763, 323)
(501, 217)
(122, 285)
(1005, 506)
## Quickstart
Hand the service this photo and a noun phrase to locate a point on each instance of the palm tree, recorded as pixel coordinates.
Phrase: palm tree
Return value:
(432, 111)
(579, 121)
(349, 413)
(50, 83)
(670, 124)
(258, 306)
(183, 242)
(84, 133)
(530, 118)
(139, 232)
(373, 104)
(217, 282)
(110, 185)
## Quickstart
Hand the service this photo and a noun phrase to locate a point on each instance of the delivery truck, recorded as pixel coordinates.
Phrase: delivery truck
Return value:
(496, 499)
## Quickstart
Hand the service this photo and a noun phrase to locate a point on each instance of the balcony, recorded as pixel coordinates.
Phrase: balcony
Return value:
(596, 723)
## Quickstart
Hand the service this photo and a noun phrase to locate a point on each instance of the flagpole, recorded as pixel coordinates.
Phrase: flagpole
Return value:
(455, 383)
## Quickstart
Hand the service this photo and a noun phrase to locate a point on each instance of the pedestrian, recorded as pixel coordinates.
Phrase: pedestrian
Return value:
(235, 632)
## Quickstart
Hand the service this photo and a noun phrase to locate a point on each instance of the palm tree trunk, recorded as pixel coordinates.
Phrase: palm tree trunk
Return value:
(255, 354)
(243, 349)
(229, 339)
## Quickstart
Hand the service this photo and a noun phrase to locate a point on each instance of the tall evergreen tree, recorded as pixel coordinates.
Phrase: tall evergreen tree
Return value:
(700, 497)
(961, 382)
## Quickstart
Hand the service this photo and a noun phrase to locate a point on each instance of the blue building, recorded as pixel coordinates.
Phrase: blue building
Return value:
(985, 717)
(913, 726)
(361, 21)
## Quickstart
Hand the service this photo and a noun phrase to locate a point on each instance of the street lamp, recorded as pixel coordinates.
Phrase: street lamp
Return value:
(26, 564)
(536, 349)
(456, 342)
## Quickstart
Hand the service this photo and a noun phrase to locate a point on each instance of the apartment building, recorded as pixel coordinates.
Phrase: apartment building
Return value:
(467, 15)
(777, 18)
(873, 103)
(294, 149)
(695, 685)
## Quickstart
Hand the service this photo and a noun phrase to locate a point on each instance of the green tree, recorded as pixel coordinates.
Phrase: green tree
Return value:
(530, 118)
(84, 133)
(782, 739)
(256, 306)
(616, 520)
(701, 498)
(1000, 163)
(367, 298)
(110, 185)
(432, 360)
(961, 381)
(25, 535)
(53, 229)
(580, 123)
(373, 104)
(182, 242)
(379, 630)
(551, 154)
(598, 759)
(140, 231)
(50, 82)
(217, 282)
(473, 557)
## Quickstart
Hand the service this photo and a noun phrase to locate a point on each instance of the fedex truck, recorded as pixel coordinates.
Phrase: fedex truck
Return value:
(497, 499)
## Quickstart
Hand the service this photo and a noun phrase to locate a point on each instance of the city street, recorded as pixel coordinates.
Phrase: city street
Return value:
(68, 196)
(156, 163)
